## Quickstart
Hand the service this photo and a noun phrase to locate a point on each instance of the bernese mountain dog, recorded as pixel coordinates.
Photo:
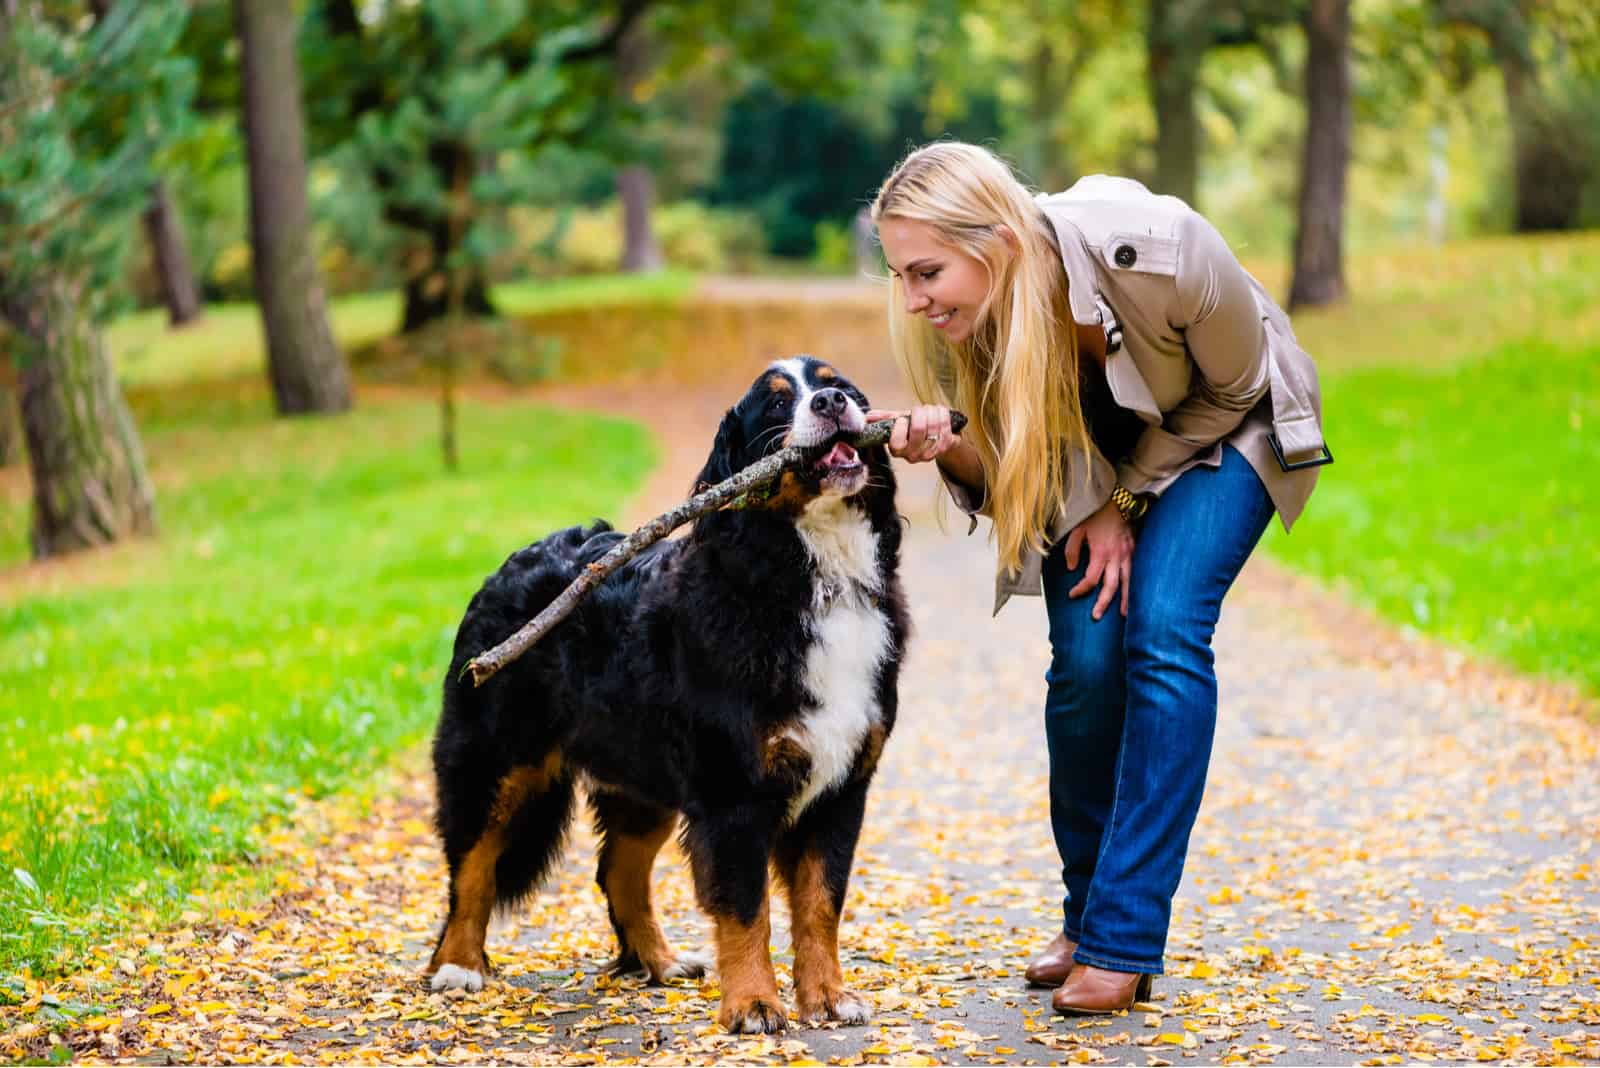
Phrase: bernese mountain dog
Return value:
(741, 679)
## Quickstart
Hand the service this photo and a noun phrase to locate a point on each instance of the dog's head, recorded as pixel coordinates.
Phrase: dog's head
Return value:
(798, 401)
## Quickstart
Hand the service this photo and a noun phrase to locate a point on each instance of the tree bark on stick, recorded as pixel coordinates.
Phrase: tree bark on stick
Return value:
(725, 495)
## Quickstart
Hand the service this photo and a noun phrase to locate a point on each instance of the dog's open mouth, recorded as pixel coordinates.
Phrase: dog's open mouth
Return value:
(840, 470)
(840, 459)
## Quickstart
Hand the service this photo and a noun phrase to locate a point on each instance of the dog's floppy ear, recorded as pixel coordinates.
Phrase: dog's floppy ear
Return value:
(723, 463)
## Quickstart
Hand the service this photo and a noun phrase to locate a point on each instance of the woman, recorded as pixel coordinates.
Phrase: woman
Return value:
(1139, 409)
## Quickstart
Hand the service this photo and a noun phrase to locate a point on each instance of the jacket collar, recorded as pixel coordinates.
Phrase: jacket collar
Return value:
(1089, 308)
(1081, 287)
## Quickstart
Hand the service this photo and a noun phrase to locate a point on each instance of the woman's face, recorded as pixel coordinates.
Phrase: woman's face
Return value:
(944, 285)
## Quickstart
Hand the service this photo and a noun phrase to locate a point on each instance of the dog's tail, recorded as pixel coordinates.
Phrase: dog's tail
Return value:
(534, 836)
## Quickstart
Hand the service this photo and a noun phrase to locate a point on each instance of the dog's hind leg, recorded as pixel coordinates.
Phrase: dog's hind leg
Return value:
(504, 860)
(632, 834)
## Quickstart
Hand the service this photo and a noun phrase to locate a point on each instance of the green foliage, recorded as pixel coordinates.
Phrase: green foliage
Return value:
(798, 161)
(282, 640)
(88, 114)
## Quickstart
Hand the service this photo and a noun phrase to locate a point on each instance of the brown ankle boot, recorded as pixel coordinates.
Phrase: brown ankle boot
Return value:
(1091, 991)
(1054, 963)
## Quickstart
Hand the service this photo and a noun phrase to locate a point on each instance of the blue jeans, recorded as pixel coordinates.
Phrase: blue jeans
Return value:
(1132, 707)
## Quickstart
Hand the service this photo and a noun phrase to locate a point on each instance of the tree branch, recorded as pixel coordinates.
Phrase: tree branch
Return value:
(731, 494)
(607, 45)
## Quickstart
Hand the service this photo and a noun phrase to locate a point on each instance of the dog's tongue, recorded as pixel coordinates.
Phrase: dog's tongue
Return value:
(841, 455)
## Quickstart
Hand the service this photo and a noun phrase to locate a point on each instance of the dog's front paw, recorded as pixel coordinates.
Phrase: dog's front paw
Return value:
(838, 1004)
(455, 977)
(754, 1015)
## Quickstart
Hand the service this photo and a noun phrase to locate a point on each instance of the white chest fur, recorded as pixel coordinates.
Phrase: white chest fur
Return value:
(850, 639)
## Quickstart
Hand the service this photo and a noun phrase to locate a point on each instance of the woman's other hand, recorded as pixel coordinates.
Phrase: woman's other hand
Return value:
(921, 434)
(1110, 543)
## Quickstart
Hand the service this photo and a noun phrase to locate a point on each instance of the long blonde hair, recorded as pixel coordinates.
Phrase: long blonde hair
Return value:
(1016, 376)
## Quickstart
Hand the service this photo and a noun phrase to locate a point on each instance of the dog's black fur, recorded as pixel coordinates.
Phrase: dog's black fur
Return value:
(687, 684)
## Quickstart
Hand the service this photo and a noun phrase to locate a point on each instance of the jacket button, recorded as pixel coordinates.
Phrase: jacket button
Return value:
(1125, 256)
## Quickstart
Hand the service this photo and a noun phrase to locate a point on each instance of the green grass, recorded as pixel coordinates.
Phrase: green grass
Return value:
(1464, 502)
(1460, 386)
(282, 638)
(227, 342)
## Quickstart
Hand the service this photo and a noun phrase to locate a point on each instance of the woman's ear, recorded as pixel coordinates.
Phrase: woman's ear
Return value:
(1008, 235)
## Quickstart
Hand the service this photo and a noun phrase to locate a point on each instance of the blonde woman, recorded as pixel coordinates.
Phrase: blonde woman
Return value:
(1132, 513)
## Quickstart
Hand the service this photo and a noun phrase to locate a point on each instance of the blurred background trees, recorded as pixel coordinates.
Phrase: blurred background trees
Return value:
(90, 100)
(172, 154)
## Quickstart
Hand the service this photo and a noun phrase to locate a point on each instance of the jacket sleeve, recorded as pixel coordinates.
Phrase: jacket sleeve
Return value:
(1215, 308)
(973, 502)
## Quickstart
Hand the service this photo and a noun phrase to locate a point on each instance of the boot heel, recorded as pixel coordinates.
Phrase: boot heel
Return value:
(1143, 991)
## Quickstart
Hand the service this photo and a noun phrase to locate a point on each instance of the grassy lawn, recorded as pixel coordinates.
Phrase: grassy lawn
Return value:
(228, 342)
(1462, 399)
(282, 638)
(1464, 503)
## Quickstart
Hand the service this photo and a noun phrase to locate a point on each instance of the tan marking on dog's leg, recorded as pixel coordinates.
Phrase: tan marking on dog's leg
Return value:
(629, 859)
(871, 751)
(750, 1002)
(818, 981)
(459, 960)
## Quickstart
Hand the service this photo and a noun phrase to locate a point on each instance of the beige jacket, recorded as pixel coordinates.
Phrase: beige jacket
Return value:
(1195, 347)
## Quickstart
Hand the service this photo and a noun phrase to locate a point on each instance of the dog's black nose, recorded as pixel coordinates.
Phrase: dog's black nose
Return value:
(829, 403)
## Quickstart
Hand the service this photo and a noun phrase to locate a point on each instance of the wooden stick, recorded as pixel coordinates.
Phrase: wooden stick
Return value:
(730, 494)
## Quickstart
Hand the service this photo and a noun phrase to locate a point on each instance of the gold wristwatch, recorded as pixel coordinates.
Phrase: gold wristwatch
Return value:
(1132, 507)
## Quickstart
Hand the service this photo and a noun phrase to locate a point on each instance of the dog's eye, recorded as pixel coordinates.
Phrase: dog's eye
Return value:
(780, 403)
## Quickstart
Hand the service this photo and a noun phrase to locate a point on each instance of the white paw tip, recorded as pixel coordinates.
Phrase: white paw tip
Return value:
(852, 1010)
(688, 966)
(455, 977)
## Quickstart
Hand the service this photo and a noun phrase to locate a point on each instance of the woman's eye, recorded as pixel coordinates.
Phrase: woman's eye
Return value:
(928, 276)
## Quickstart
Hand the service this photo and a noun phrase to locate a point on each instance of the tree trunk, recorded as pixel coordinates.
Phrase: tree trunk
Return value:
(1547, 163)
(89, 481)
(309, 373)
(10, 432)
(165, 230)
(1047, 160)
(1319, 236)
(636, 185)
(1176, 44)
